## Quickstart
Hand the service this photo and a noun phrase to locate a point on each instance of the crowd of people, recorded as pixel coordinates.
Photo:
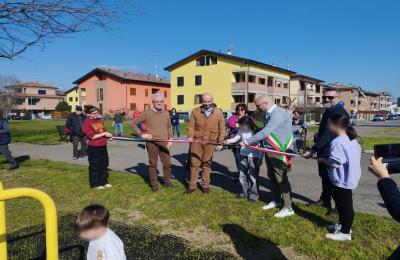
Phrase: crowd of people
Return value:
(336, 147)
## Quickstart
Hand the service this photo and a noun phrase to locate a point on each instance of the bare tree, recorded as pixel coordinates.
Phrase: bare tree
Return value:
(24, 24)
(8, 96)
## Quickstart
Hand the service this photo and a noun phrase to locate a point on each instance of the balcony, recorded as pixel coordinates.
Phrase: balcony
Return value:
(241, 87)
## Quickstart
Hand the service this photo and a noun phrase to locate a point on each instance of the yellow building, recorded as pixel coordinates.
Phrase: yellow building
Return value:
(229, 78)
(73, 97)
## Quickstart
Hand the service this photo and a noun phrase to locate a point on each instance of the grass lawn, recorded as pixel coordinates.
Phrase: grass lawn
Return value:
(45, 132)
(217, 221)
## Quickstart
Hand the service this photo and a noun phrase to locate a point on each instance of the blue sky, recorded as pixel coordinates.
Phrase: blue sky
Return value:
(349, 41)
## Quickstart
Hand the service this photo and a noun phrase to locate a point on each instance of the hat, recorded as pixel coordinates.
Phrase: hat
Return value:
(78, 108)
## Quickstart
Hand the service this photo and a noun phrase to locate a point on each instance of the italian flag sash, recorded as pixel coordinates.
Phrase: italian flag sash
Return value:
(277, 145)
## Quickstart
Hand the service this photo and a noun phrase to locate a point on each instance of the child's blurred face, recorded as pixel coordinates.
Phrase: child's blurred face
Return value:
(333, 128)
(93, 233)
(244, 127)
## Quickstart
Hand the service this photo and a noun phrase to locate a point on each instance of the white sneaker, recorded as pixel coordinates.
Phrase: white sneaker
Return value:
(100, 187)
(335, 227)
(271, 205)
(285, 212)
(108, 185)
(338, 236)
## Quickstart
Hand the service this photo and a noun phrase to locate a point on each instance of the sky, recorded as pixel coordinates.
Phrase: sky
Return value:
(347, 41)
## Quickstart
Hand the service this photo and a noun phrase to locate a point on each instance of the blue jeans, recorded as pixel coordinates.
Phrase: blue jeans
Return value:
(176, 129)
(118, 128)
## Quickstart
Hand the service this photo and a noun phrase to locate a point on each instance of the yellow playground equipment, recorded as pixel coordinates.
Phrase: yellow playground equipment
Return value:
(50, 218)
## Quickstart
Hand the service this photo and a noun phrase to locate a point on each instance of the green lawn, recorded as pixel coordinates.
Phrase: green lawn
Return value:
(45, 132)
(209, 221)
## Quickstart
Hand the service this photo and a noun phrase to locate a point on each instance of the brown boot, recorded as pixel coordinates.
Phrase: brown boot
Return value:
(189, 191)
(154, 188)
(206, 190)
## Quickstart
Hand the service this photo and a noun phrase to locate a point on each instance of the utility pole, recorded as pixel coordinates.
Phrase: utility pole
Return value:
(246, 97)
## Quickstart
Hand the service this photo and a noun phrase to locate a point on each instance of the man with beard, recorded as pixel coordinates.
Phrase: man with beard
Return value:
(332, 104)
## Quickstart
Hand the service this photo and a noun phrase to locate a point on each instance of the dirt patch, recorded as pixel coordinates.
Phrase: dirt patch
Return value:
(202, 237)
(127, 216)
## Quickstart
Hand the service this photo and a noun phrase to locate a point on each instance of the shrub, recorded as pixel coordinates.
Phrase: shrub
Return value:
(63, 106)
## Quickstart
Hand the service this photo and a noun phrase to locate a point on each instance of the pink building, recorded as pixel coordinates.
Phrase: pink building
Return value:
(111, 89)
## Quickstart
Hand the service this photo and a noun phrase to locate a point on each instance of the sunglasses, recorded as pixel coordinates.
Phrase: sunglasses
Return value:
(240, 109)
(328, 97)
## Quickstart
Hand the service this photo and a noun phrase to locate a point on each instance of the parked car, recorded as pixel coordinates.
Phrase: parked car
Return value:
(379, 118)
(46, 117)
(353, 120)
(393, 117)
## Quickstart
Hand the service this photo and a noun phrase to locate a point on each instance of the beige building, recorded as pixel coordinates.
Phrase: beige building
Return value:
(36, 97)
(385, 100)
(305, 92)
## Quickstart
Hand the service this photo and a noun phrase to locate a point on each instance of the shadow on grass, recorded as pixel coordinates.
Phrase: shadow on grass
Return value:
(249, 246)
(311, 216)
(139, 243)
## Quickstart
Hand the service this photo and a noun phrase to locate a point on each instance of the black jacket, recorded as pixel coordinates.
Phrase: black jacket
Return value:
(5, 136)
(324, 136)
(174, 119)
(74, 123)
(391, 196)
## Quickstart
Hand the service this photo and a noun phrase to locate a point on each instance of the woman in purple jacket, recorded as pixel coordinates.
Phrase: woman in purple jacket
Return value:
(344, 172)
(232, 124)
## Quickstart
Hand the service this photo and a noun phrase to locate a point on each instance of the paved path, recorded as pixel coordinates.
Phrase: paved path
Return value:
(131, 158)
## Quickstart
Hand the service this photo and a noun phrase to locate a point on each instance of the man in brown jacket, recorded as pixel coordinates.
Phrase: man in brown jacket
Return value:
(206, 124)
(158, 125)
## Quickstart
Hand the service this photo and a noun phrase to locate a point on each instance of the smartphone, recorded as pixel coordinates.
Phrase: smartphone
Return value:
(390, 154)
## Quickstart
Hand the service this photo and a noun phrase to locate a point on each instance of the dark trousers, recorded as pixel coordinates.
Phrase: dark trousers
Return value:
(5, 151)
(344, 204)
(248, 177)
(327, 187)
(280, 185)
(155, 150)
(76, 140)
(176, 129)
(98, 165)
(236, 154)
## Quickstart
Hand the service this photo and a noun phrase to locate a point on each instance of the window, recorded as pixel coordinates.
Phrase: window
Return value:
(99, 94)
(180, 81)
(83, 90)
(201, 61)
(279, 85)
(277, 101)
(132, 91)
(251, 98)
(181, 99)
(42, 92)
(165, 94)
(238, 98)
(270, 81)
(284, 100)
(302, 85)
(261, 81)
(33, 101)
(146, 92)
(197, 99)
(197, 80)
(252, 79)
(76, 99)
(285, 85)
(154, 91)
(132, 106)
(317, 99)
(70, 99)
(239, 77)
(206, 61)
(318, 88)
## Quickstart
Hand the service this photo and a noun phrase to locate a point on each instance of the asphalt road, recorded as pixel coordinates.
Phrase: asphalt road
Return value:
(131, 158)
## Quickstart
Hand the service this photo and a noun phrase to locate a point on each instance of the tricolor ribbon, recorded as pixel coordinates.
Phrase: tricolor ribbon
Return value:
(255, 148)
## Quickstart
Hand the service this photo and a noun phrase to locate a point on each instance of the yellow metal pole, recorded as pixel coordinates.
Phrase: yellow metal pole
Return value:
(50, 216)
(3, 231)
